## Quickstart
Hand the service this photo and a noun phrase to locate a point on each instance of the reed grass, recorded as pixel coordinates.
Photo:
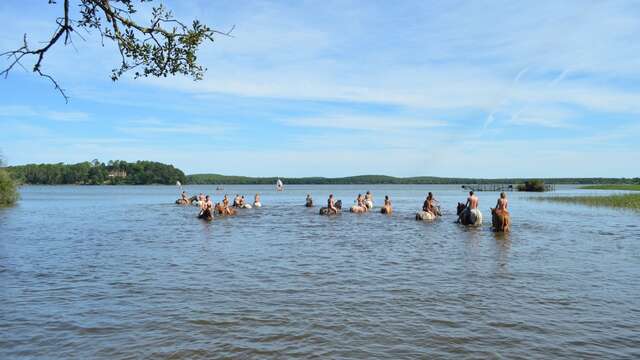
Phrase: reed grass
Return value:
(623, 201)
(612, 187)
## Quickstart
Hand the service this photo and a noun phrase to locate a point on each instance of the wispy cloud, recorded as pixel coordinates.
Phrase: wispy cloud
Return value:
(69, 116)
(12, 111)
(21, 111)
(363, 122)
(164, 128)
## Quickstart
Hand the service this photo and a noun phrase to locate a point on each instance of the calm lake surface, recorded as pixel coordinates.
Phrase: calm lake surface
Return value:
(121, 272)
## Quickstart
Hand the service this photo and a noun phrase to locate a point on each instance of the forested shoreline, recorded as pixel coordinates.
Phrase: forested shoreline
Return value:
(118, 172)
(97, 173)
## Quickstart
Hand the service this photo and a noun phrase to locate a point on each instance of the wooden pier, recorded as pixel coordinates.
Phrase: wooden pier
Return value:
(501, 187)
(490, 187)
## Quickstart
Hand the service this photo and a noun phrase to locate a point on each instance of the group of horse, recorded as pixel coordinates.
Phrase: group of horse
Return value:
(501, 220)
(218, 209)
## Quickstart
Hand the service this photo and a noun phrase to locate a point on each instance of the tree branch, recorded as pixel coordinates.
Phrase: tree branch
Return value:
(159, 50)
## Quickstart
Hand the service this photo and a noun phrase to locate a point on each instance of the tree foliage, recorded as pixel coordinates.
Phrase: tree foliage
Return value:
(162, 46)
(532, 186)
(8, 191)
(97, 173)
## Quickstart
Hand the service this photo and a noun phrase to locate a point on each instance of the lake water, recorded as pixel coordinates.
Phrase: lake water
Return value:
(122, 272)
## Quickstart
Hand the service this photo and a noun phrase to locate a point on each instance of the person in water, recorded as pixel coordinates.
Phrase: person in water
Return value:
(207, 202)
(368, 198)
(331, 204)
(309, 201)
(256, 200)
(430, 204)
(202, 201)
(502, 205)
(241, 201)
(236, 200)
(225, 202)
(360, 202)
(184, 196)
(472, 201)
(206, 211)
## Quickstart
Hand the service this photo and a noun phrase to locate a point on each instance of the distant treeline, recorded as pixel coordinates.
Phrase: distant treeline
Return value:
(148, 172)
(97, 173)
(382, 179)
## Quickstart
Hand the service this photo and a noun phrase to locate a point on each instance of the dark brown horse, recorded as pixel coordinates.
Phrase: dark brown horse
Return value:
(459, 211)
(206, 214)
(467, 216)
(326, 211)
(190, 201)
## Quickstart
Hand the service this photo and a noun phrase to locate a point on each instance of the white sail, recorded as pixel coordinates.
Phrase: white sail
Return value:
(279, 185)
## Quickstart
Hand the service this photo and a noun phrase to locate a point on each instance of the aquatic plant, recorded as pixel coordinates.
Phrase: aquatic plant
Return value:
(626, 201)
(532, 186)
(612, 187)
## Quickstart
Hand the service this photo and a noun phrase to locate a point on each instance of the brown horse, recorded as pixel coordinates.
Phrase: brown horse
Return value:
(326, 211)
(386, 209)
(190, 201)
(220, 210)
(501, 220)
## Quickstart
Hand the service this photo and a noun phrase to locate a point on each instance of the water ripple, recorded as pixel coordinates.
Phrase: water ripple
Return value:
(143, 278)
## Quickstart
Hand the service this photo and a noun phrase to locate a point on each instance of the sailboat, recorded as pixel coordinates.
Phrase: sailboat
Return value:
(279, 185)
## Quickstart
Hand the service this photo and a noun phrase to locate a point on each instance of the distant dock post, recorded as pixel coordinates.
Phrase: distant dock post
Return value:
(501, 187)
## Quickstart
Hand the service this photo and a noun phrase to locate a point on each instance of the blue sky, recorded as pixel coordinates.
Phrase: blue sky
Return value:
(336, 88)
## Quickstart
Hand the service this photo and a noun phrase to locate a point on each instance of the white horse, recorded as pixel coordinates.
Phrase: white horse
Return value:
(425, 215)
(358, 209)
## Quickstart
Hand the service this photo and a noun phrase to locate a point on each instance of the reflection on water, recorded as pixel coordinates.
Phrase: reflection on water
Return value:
(503, 245)
(121, 272)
